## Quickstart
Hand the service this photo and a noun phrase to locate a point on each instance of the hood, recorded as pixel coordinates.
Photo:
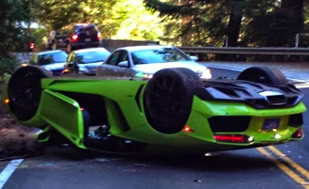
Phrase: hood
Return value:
(90, 67)
(55, 66)
(152, 68)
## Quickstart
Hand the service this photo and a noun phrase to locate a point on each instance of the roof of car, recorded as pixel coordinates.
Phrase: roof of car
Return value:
(83, 24)
(143, 47)
(90, 50)
(50, 51)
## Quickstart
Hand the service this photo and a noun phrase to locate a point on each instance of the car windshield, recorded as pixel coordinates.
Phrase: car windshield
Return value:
(162, 55)
(51, 58)
(92, 56)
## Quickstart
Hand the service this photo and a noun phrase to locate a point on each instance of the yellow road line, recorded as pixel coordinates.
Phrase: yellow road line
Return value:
(291, 162)
(284, 168)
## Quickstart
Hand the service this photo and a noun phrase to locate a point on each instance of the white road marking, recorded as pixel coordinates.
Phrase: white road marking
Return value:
(8, 171)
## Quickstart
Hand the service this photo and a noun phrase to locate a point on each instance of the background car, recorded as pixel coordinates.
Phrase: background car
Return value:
(52, 61)
(144, 61)
(85, 61)
(75, 37)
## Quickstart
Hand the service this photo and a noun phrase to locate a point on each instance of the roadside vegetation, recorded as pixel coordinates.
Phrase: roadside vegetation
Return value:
(246, 23)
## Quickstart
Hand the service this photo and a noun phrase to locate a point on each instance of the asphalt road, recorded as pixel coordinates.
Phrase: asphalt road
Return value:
(282, 166)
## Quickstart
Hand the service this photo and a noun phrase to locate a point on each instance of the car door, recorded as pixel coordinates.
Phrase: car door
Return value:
(117, 65)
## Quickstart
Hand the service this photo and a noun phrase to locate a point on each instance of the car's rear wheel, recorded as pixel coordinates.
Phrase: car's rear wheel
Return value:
(168, 99)
(24, 91)
(264, 75)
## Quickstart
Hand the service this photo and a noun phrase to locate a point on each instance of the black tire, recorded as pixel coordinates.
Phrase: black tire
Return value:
(264, 75)
(24, 91)
(168, 99)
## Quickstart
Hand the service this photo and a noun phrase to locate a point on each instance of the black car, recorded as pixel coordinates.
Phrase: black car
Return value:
(75, 37)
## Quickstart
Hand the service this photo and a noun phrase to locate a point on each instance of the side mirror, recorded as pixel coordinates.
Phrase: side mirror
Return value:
(194, 58)
(124, 64)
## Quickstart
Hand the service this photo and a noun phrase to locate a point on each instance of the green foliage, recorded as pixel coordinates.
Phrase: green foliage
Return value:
(107, 15)
(272, 23)
(196, 22)
(7, 65)
(244, 22)
(13, 14)
(139, 23)
(39, 36)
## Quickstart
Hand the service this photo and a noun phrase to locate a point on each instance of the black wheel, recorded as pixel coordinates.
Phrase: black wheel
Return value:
(265, 75)
(168, 99)
(24, 91)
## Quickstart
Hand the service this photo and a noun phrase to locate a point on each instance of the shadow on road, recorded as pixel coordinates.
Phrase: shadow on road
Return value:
(229, 161)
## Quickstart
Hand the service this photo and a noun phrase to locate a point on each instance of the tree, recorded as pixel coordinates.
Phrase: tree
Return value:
(139, 23)
(274, 23)
(235, 18)
(107, 15)
(204, 22)
(13, 16)
(13, 32)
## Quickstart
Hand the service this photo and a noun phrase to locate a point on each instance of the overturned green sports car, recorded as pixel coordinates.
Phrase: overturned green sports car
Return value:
(174, 111)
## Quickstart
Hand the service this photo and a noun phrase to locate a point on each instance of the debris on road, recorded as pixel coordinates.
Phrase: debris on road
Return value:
(198, 180)
(16, 141)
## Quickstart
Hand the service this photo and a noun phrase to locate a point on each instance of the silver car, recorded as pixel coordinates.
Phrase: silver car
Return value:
(52, 61)
(144, 61)
(85, 61)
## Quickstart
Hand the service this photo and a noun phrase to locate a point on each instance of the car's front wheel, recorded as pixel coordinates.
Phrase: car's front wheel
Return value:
(168, 99)
(24, 91)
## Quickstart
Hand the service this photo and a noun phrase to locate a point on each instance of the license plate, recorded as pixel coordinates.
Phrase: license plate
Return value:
(271, 124)
(87, 39)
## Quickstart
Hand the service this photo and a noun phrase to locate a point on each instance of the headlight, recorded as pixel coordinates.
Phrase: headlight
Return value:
(205, 74)
(49, 70)
(144, 76)
(82, 69)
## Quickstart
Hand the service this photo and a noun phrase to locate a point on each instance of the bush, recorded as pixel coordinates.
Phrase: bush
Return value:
(39, 35)
(7, 65)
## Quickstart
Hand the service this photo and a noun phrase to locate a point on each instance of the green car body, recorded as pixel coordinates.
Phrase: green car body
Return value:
(63, 102)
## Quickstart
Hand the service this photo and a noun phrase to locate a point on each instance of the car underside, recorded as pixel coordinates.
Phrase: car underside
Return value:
(173, 112)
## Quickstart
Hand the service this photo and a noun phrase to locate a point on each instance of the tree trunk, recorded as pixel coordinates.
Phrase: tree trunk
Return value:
(237, 7)
(296, 10)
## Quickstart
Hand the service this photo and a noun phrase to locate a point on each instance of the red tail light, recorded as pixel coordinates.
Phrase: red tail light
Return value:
(74, 37)
(31, 45)
(298, 134)
(99, 36)
(231, 138)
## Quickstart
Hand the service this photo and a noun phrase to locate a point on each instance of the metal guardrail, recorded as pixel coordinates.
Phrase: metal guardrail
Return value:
(247, 50)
